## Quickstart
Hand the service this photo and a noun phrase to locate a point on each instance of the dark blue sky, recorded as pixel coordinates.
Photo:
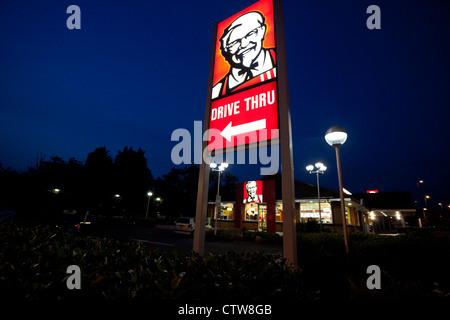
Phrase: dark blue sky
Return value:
(137, 70)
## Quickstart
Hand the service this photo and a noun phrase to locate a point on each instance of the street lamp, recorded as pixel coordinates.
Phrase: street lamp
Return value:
(426, 197)
(320, 169)
(336, 137)
(218, 169)
(425, 210)
(418, 183)
(149, 194)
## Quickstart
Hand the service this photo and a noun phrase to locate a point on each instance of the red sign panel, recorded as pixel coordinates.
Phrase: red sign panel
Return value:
(245, 118)
(244, 107)
(372, 191)
(253, 191)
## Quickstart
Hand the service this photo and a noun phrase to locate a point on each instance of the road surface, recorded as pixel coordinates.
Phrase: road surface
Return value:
(164, 238)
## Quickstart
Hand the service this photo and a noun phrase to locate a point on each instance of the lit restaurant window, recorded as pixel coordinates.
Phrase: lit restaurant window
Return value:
(310, 210)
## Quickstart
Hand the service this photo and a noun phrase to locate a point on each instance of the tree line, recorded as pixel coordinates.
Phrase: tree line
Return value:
(104, 185)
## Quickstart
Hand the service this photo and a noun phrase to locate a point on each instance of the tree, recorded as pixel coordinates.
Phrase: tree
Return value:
(10, 187)
(51, 186)
(99, 174)
(227, 186)
(132, 180)
(178, 189)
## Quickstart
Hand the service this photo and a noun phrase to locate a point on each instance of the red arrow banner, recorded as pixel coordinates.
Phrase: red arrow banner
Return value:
(241, 117)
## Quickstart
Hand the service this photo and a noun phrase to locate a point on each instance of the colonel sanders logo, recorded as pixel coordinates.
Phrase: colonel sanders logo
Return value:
(252, 193)
(241, 45)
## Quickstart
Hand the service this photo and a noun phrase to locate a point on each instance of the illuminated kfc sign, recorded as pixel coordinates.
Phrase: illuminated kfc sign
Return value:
(253, 191)
(244, 90)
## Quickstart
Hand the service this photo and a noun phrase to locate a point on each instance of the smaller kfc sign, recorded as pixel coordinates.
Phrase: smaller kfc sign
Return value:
(253, 191)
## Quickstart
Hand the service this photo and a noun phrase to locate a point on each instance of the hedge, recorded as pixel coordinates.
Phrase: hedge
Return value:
(33, 263)
(35, 259)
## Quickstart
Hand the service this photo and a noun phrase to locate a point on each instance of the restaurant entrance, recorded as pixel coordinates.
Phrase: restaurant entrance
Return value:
(262, 217)
(257, 212)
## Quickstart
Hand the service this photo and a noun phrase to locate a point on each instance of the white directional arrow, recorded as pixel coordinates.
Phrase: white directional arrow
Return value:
(242, 128)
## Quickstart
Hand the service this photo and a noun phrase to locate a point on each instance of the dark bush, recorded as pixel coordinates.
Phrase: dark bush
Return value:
(410, 265)
(34, 262)
(269, 237)
(311, 225)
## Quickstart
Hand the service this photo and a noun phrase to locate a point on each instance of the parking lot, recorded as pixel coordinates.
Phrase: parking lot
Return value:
(163, 237)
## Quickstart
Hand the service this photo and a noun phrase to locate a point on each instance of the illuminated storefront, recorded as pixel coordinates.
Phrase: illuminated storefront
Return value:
(310, 210)
(227, 211)
(257, 207)
(389, 211)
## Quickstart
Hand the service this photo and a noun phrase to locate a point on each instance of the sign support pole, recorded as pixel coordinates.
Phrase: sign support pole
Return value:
(285, 140)
(202, 206)
(203, 179)
(287, 165)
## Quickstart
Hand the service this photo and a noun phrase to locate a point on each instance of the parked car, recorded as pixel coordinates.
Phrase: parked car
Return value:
(186, 225)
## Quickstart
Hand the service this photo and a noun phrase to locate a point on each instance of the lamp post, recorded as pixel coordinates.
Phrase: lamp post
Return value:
(336, 137)
(219, 169)
(426, 203)
(149, 194)
(425, 212)
(418, 183)
(321, 168)
(418, 186)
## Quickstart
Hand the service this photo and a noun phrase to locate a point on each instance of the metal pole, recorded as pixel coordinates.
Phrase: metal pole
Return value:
(201, 209)
(203, 179)
(218, 182)
(148, 204)
(341, 191)
(318, 196)
(217, 204)
(287, 163)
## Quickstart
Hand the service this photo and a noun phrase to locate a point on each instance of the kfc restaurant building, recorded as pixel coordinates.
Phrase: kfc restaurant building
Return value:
(258, 206)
